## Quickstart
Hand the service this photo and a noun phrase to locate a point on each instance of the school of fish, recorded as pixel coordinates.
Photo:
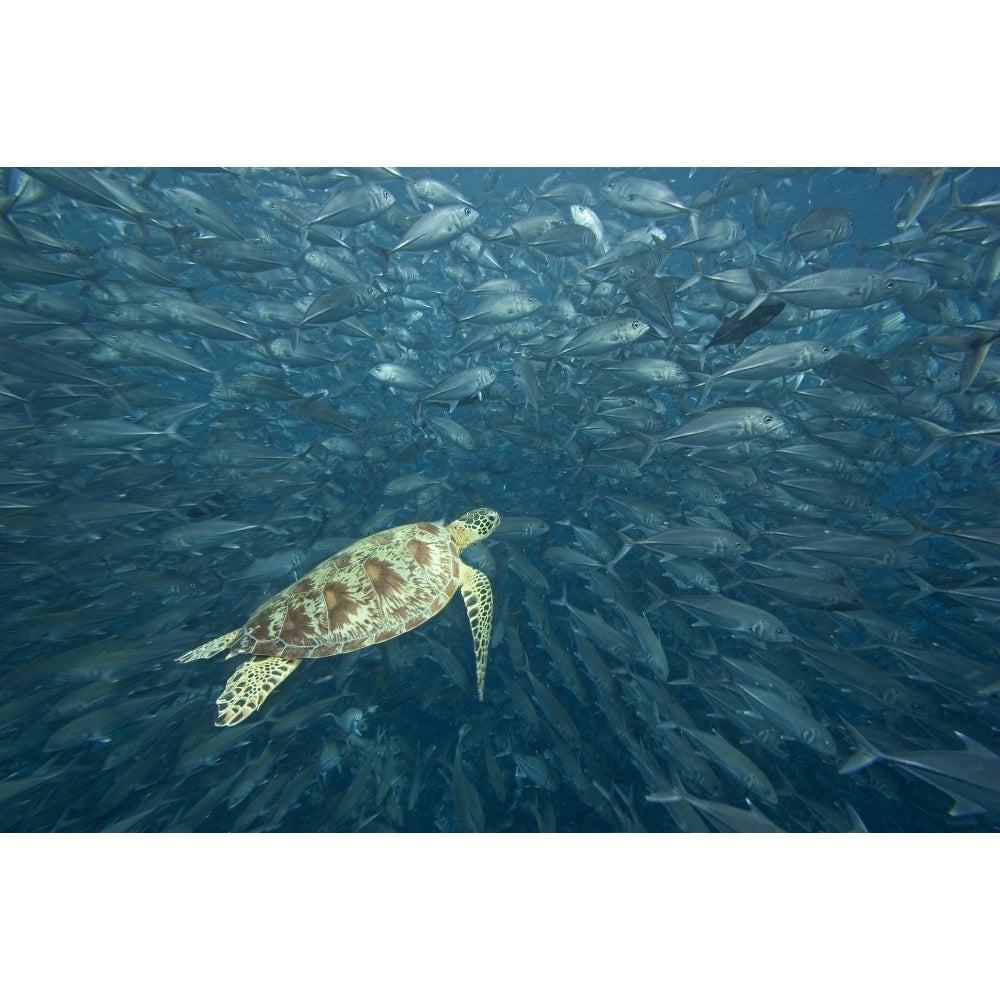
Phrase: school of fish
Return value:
(740, 427)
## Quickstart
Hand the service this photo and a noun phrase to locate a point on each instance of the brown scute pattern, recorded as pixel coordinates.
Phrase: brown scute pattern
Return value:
(421, 552)
(340, 606)
(261, 632)
(300, 628)
(377, 588)
(349, 647)
(435, 606)
(372, 591)
(384, 579)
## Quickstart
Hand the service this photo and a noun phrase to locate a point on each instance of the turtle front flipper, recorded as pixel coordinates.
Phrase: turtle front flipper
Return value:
(250, 685)
(478, 596)
(208, 649)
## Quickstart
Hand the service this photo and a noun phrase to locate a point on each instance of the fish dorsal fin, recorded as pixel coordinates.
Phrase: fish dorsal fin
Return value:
(976, 748)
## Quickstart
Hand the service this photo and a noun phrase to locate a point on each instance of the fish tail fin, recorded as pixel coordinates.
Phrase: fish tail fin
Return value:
(627, 545)
(706, 388)
(973, 747)
(452, 314)
(954, 202)
(864, 756)
(925, 589)
(689, 679)
(922, 528)
(622, 552)
(173, 429)
(383, 253)
(939, 437)
(411, 191)
(673, 791)
(651, 445)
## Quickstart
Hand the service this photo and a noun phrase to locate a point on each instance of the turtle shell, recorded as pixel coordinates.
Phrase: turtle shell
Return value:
(374, 590)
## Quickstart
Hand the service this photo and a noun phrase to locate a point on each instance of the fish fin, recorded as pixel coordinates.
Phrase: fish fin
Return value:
(965, 807)
(976, 748)
(865, 755)
(971, 364)
(923, 529)
(857, 762)
(627, 545)
(857, 824)
(925, 589)
(690, 678)
(939, 437)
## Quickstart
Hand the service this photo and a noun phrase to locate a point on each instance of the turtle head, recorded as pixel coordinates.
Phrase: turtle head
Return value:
(473, 527)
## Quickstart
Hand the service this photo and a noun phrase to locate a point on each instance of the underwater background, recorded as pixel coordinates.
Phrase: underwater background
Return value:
(739, 426)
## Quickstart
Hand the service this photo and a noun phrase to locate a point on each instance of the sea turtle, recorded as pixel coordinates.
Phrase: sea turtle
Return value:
(374, 590)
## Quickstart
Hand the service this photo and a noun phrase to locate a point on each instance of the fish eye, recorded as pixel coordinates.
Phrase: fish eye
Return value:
(768, 420)
(635, 324)
(890, 284)
(468, 211)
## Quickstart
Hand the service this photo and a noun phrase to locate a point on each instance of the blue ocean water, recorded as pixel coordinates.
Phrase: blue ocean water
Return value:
(192, 421)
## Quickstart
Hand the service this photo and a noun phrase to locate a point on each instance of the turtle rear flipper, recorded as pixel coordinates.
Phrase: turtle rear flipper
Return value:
(207, 649)
(249, 686)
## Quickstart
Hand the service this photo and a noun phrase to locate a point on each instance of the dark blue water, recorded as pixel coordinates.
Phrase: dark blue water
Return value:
(167, 468)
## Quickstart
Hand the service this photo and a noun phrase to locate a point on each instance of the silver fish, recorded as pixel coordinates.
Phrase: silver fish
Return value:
(437, 227)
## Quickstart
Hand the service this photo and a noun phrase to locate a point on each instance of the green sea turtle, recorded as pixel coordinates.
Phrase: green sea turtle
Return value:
(374, 590)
